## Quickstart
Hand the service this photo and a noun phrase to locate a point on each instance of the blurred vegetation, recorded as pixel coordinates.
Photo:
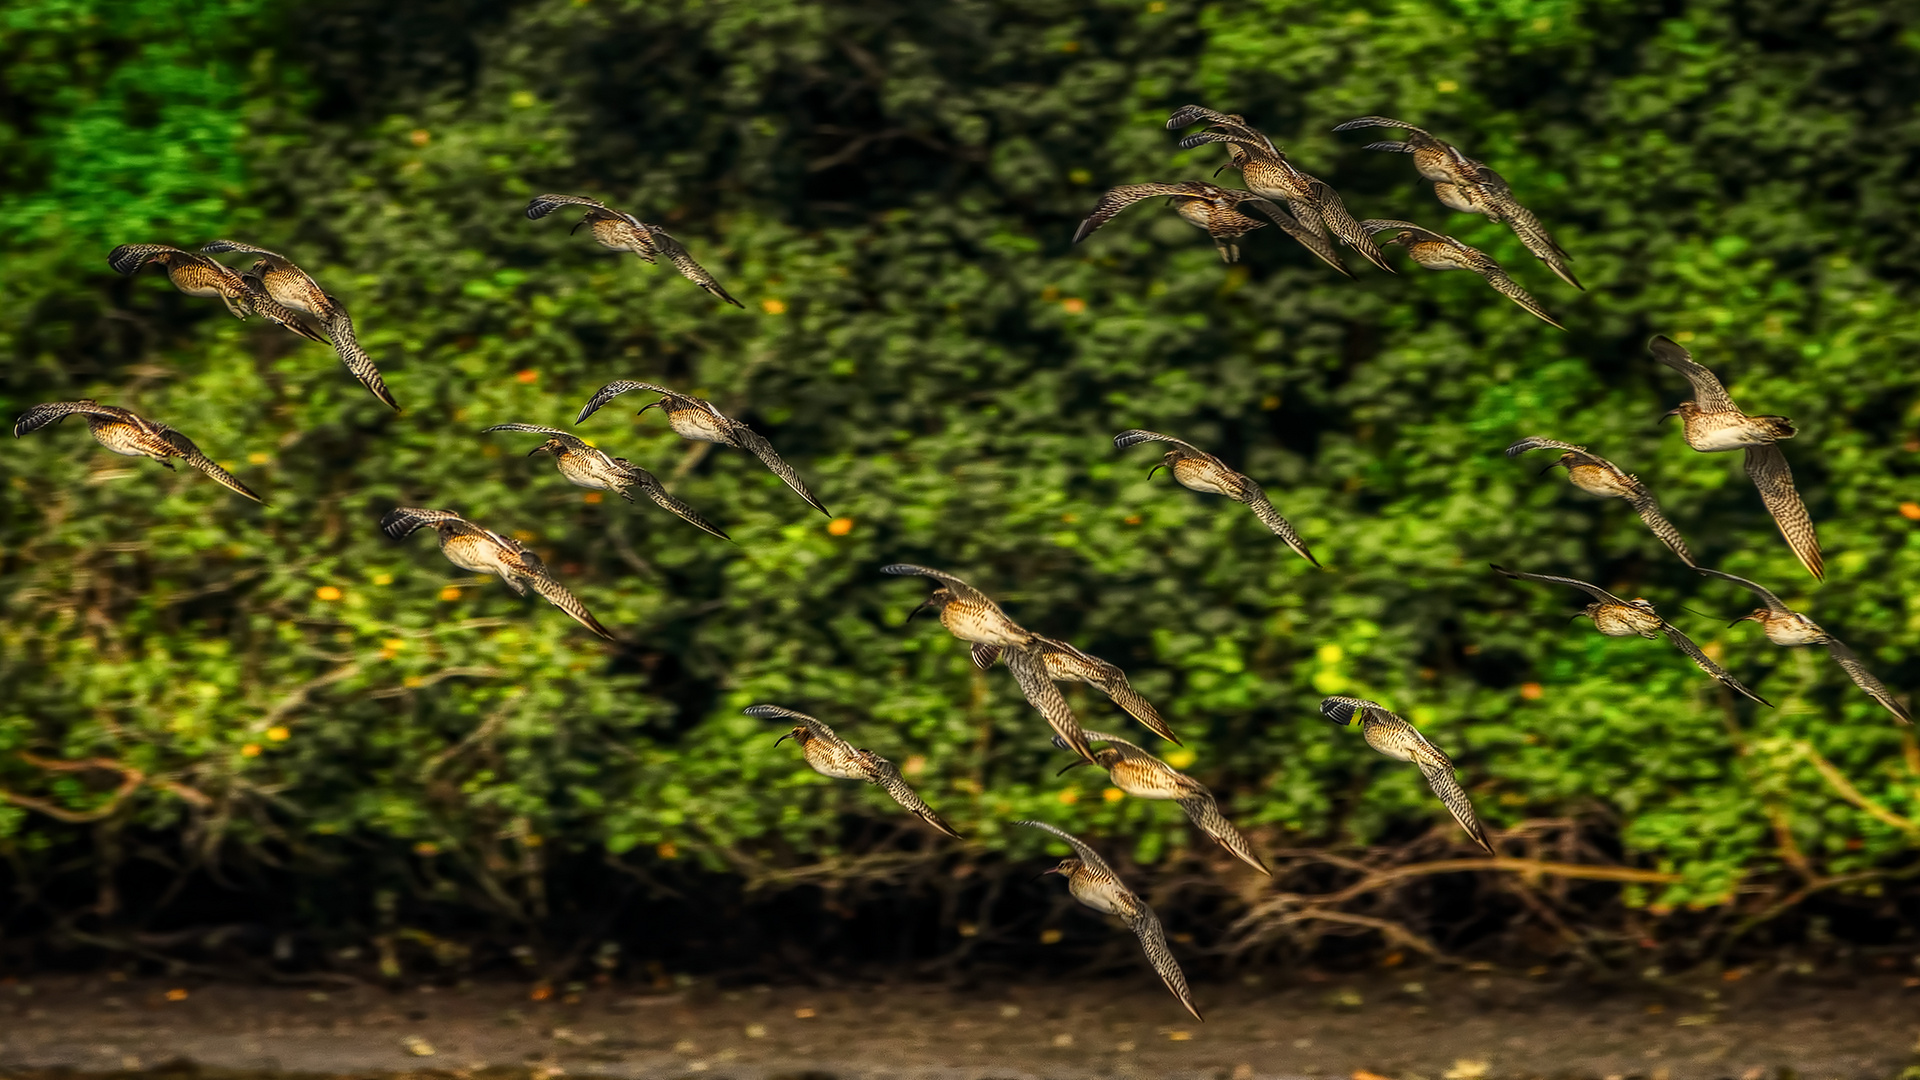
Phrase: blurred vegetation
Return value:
(890, 188)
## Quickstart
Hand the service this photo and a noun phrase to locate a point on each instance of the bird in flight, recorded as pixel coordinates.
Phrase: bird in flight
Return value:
(831, 755)
(1712, 423)
(1144, 776)
(1392, 735)
(590, 467)
(623, 232)
(276, 278)
(1785, 626)
(132, 435)
(1596, 475)
(1196, 469)
(1215, 209)
(197, 275)
(484, 551)
(1437, 252)
(1064, 663)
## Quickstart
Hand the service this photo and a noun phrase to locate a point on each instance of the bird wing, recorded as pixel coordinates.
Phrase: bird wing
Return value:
(1112, 681)
(1536, 442)
(1135, 436)
(1030, 670)
(402, 521)
(1767, 467)
(613, 390)
(1765, 594)
(1379, 225)
(1595, 591)
(1441, 779)
(281, 315)
(191, 454)
(216, 247)
(542, 205)
(1864, 679)
(1707, 391)
(129, 258)
(984, 655)
(817, 728)
(665, 500)
(1344, 710)
(752, 442)
(339, 330)
(1255, 498)
(574, 442)
(890, 782)
(1643, 503)
(1126, 195)
(1345, 228)
(1153, 941)
(1127, 750)
(1685, 644)
(1511, 289)
(959, 588)
(1204, 812)
(1380, 121)
(1532, 234)
(1310, 238)
(1086, 854)
(40, 416)
(676, 252)
(556, 594)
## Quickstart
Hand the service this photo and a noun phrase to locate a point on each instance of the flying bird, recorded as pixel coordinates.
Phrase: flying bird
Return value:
(1393, 736)
(1196, 469)
(1215, 209)
(1712, 423)
(197, 275)
(697, 419)
(1596, 475)
(1615, 617)
(1785, 626)
(275, 278)
(1437, 252)
(623, 232)
(831, 755)
(1093, 883)
(125, 432)
(1064, 663)
(484, 551)
(589, 467)
(1269, 174)
(1144, 776)
(1469, 186)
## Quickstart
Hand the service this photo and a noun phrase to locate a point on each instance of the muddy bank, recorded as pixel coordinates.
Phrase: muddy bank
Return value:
(1433, 1025)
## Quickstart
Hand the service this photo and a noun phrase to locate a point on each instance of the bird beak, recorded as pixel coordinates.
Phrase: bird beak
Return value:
(1550, 467)
(1576, 615)
(576, 227)
(783, 738)
(1744, 618)
(1044, 873)
(536, 449)
(1155, 469)
(924, 605)
(1669, 412)
(1072, 765)
(648, 405)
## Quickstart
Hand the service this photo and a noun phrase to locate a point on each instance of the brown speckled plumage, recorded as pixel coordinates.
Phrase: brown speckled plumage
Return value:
(127, 433)
(830, 755)
(484, 551)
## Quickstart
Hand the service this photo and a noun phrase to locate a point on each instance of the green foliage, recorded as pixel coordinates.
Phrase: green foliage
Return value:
(890, 188)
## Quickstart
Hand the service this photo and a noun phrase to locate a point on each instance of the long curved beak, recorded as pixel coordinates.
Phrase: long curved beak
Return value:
(536, 450)
(1044, 873)
(576, 227)
(924, 605)
(1072, 765)
(1552, 465)
(1576, 615)
(1155, 469)
(783, 738)
(1222, 168)
(649, 405)
(1669, 412)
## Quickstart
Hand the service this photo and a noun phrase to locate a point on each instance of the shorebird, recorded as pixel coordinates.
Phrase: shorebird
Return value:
(1392, 735)
(1064, 663)
(1215, 209)
(1269, 174)
(1196, 469)
(1093, 883)
(1437, 252)
(1712, 423)
(198, 275)
(484, 551)
(623, 232)
(1598, 476)
(275, 278)
(697, 419)
(1785, 626)
(1469, 186)
(125, 432)
(831, 755)
(1144, 776)
(971, 616)
(1615, 617)
(589, 467)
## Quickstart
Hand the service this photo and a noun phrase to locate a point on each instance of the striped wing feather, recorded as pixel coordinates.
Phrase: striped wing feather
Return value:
(1768, 469)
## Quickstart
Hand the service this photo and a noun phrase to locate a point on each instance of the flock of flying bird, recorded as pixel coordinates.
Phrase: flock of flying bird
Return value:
(1313, 214)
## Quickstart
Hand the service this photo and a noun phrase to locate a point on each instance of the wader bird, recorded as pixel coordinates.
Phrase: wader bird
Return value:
(1437, 252)
(1712, 423)
(1390, 734)
(1064, 663)
(198, 275)
(1615, 617)
(1093, 883)
(590, 467)
(695, 418)
(127, 433)
(276, 278)
(1467, 185)
(1269, 174)
(1785, 626)
(1196, 469)
(484, 551)
(624, 232)
(830, 755)
(1215, 209)
(1598, 476)
(1144, 776)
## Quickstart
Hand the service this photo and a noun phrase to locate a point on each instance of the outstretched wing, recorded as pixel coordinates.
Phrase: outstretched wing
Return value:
(1345, 228)
(1135, 436)
(556, 594)
(958, 587)
(402, 521)
(613, 390)
(1532, 234)
(1111, 681)
(1127, 750)
(1256, 499)
(815, 727)
(129, 258)
(1030, 670)
(667, 501)
(191, 454)
(1310, 238)
(542, 205)
(280, 314)
(1080, 849)
(1381, 121)
(1153, 941)
(1864, 680)
(1643, 504)
(1774, 603)
(1707, 391)
(1345, 710)
(574, 442)
(1511, 289)
(984, 655)
(676, 252)
(1444, 784)
(1536, 442)
(1204, 812)
(1767, 467)
(339, 330)
(40, 416)
(1685, 644)
(1421, 232)
(217, 247)
(889, 781)
(1594, 591)
(752, 442)
(1126, 195)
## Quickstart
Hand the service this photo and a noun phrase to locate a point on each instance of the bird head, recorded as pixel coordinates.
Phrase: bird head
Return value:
(1105, 757)
(799, 734)
(551, 446)
(1567, 459)
(1758, 615)
(938, 600)
(1065, 869)
(1683, 410)
(1166, 462)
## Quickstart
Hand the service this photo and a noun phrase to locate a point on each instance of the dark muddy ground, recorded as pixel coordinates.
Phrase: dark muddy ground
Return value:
(1427, 1024)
